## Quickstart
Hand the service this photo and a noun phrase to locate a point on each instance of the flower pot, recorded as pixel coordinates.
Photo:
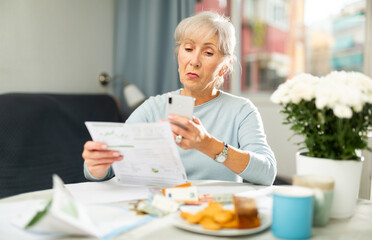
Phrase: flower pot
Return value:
(347, 175)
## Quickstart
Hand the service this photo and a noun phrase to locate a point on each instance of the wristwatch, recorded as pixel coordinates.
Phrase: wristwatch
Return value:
(220, 158)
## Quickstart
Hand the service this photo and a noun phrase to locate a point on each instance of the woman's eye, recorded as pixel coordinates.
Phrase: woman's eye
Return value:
(188, 49)
(209, 53)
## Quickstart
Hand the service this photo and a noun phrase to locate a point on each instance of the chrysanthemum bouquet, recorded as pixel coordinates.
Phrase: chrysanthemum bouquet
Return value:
(333, 113)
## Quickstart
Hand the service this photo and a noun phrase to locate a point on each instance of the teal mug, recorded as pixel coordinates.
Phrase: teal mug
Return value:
(292, 212)
(323, 195)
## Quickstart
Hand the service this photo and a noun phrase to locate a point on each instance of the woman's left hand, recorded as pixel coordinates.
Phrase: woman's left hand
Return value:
(194, 135)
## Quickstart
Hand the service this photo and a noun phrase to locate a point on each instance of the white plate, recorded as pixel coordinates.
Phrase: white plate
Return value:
(197, 228)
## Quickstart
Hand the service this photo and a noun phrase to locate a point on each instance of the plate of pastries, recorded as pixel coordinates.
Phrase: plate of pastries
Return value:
(242, 218)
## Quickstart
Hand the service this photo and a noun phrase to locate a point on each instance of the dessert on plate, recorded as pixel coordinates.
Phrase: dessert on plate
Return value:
(215, 217)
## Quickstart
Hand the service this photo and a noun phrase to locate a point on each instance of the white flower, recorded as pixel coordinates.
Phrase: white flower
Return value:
(301, 87)
(343, 92)
(278, 96)
(352, 98)
(321, 102)
(349, 89)
(342, 111)
(302, 91)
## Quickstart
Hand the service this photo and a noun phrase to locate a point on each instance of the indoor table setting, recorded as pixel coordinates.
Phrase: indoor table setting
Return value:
(118, 205)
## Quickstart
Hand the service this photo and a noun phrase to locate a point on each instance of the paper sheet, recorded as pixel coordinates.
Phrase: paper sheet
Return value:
(150, 154)
(106, 192)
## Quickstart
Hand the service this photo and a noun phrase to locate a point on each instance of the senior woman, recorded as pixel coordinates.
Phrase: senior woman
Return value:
(225, 140)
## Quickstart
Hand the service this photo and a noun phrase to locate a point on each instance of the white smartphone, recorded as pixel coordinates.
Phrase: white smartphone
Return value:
(180, 105)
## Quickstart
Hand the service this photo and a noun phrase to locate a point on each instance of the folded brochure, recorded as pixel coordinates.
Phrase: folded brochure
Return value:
(63, 215)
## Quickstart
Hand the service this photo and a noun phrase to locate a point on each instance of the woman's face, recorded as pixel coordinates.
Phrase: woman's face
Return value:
(199, 62)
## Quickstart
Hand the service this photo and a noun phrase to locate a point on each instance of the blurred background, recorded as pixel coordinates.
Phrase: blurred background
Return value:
(63, 46)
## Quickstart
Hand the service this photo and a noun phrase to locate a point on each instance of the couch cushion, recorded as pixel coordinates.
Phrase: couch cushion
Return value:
(43, 134)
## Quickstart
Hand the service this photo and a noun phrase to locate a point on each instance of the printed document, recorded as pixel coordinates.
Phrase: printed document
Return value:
(150, 153)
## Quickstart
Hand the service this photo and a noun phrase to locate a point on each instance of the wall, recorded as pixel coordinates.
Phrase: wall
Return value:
(277, 135)
(55, 46)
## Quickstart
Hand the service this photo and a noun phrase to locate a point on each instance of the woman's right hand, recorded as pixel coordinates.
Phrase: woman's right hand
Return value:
(98, 159)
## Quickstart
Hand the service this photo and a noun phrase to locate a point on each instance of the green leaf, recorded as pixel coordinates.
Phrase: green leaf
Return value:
(326, 135)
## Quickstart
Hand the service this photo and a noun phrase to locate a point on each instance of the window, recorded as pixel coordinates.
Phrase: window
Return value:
(281, 38)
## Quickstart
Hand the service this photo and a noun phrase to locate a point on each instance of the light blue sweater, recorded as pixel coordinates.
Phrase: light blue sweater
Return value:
(231, 119)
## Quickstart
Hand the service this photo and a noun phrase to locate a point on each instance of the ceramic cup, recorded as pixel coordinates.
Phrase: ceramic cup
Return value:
(292, 212)
(323, 195)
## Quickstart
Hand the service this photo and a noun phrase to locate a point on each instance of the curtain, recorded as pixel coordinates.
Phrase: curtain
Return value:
(144, 44)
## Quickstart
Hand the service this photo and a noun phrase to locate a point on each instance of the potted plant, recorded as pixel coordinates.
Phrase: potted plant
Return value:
(333, 114)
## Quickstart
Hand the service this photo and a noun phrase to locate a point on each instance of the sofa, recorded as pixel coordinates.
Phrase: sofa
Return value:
(44, 134)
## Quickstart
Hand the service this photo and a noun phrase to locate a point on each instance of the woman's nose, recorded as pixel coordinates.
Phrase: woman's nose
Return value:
(195, 61)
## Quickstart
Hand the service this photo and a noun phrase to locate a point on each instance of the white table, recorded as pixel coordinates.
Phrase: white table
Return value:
(357, 227)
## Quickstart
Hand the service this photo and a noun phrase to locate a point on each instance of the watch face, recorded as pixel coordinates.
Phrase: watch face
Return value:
(220, 159)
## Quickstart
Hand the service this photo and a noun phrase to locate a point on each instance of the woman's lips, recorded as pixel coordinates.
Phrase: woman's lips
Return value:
(192, 75)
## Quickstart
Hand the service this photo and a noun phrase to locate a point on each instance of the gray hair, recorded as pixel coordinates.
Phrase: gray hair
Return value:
(218, 25)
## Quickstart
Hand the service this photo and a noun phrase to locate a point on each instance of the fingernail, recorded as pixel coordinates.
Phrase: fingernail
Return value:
(104, 146)
(170, 116)
(115, 154)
